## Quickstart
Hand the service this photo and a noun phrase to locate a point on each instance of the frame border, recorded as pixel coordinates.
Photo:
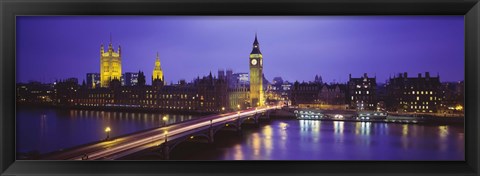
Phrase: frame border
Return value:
(10, 9)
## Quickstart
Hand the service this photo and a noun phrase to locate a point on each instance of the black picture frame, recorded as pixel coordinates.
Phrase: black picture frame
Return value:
(10, 8)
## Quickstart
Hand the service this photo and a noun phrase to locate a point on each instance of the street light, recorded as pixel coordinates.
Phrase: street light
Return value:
(107, 130)
(166, 136)
(165, 119)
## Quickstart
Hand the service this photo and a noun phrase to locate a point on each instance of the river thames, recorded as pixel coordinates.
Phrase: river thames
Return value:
(46, 130)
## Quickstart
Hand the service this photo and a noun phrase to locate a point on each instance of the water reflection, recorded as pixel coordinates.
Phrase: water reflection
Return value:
(267, 142)
(338, 140)
(46, 130)
(338, 127)
(238, 152)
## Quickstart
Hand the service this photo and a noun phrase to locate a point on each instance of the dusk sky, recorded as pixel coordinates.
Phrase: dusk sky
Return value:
(295, 48)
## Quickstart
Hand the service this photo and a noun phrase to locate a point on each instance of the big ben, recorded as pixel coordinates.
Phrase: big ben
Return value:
(256, 76)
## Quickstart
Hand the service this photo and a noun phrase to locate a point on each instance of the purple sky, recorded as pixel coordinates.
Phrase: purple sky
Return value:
(295, 48)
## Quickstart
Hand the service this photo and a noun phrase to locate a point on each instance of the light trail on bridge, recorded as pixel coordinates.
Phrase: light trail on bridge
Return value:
(117, 148)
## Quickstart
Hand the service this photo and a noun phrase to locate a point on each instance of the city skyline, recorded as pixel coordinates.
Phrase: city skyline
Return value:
(204, 44)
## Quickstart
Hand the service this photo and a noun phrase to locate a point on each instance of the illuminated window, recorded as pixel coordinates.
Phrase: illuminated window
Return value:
(418, 98)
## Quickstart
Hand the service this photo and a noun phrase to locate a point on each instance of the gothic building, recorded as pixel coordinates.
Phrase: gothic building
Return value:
(110, 65)
(157, 75)
(256, 76)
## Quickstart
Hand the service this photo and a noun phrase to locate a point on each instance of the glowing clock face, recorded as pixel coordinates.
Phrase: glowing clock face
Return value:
(261, 62)
(254, 61)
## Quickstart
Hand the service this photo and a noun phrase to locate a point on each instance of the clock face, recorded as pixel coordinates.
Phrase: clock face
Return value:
(254, 61)
(261, 62)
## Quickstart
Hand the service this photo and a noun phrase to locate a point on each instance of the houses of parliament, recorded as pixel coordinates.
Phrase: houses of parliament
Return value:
(113, 89)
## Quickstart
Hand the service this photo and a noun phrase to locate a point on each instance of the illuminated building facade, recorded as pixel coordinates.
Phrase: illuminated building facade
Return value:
(256, 76)
(157, 74)
(414, 94)
(361, 93)
(110, 65)
(238, 98)
(207, 94)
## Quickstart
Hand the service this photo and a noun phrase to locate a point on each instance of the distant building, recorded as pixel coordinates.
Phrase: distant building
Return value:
(318, 79)
(452, 100)
(285, 91)
(382, 96)
(275, 90)
(414, 94)
(277, 81)
(317, 95)
(332, 94)
(240, 80)
(229, 78)
(221, 74)
(361, 93)
(304, 93)
(93, 80)
(131, 78)
(265, 83)
(35, 93)
(66, 91)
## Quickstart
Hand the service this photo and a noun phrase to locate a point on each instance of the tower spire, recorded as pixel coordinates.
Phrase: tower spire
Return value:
(256, 46)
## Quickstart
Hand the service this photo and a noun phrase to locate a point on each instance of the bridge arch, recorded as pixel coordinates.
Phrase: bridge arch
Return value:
(173, 144)
(226, 125)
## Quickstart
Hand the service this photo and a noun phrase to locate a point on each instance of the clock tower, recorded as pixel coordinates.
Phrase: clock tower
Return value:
(256, 76)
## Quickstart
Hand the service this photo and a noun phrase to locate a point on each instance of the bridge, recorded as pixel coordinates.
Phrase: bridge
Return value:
(165, 138)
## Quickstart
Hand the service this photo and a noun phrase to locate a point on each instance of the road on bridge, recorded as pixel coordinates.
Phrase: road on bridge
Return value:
(123, 146)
